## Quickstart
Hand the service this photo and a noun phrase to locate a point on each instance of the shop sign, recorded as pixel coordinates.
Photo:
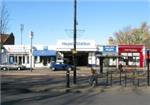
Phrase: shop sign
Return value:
(131, 50)
(45, 47)
(109, 48)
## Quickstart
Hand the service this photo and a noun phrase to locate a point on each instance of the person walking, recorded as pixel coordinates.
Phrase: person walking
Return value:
(93, 78)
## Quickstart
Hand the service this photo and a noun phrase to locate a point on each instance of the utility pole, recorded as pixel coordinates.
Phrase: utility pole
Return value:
(21, 30)
(31, 37)
(75, 36)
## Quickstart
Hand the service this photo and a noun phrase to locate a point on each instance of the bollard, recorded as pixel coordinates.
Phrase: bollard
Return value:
(111, 78)
(148, 61)
(107, 78)
(138, 79)
(125, 78)
(68, 79)
(120, 77)
(133, 77)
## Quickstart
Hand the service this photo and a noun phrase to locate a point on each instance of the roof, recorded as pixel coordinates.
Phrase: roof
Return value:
(4, 37)
(7, 39)
(44, 53)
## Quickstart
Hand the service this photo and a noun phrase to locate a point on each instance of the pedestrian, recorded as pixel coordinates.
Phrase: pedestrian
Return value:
(120, 67)
(93, 77)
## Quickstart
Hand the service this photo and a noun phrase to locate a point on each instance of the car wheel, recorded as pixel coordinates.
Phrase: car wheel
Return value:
(4, 68)
(69, 68)
(18, 68)
(53, 68)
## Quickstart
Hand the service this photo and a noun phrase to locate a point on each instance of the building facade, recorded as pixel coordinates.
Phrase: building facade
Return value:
(110, 50)
(133, 55)
(86, 50)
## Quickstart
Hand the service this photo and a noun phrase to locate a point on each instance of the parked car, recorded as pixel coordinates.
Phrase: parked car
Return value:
(60, 66)
(12, 67)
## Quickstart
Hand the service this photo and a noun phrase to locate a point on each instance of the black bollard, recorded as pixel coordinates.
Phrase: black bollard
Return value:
(133, 77)
(120, 77)
(111, 77)
(107, 78)
(138, 79)
(68, 79)
(148, 61)
(125, 78)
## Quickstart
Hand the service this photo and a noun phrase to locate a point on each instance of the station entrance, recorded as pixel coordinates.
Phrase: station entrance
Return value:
(82, 58)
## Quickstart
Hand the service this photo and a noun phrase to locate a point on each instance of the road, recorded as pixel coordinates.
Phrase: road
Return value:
(49, 88)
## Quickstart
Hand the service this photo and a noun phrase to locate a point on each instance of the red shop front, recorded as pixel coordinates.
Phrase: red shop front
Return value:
(132, 54)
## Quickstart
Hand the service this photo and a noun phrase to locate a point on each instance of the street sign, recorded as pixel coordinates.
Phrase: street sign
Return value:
(74, 51)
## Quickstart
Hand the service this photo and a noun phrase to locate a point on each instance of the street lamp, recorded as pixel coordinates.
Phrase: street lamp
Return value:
(21, 30)
(31, 37)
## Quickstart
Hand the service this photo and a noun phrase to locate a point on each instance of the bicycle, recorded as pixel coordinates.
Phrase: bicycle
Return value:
(93, 80)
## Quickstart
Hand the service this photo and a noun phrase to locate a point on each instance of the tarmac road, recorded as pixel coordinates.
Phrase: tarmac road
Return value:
(44, 87)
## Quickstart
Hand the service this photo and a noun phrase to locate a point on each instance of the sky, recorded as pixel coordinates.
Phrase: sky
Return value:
(51, 20)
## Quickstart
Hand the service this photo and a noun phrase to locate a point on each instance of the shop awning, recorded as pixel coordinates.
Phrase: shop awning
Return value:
(44, 53)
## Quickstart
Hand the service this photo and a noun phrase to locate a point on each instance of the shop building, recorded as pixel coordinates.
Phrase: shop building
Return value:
(133, 55)
(109, 50)
(43, 55)
(20, 54)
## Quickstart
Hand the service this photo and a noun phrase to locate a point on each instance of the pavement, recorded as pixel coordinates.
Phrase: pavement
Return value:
(46, 87)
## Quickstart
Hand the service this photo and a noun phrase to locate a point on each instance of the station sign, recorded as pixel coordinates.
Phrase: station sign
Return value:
(79, 44)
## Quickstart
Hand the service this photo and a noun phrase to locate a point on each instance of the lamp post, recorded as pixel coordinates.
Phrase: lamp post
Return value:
(74, 38)
(21, 30)
(31, 37)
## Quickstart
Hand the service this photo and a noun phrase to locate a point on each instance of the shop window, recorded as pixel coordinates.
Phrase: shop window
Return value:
(130, 58)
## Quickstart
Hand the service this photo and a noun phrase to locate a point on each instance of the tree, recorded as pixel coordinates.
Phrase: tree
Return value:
(4, 18)
(132, 35)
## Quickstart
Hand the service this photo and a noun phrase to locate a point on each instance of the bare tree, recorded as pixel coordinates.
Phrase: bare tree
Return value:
(132, 35)
(4, 18)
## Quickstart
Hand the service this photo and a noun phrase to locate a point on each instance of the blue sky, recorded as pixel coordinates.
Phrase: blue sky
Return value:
(51, 20)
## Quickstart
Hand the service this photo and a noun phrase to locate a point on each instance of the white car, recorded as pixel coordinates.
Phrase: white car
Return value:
(12, 67)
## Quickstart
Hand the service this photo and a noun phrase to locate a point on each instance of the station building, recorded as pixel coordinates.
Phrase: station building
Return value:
(86, 50)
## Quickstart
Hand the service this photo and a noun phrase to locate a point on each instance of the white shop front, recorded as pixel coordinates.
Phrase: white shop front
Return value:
(19, 54)
(86, 50)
